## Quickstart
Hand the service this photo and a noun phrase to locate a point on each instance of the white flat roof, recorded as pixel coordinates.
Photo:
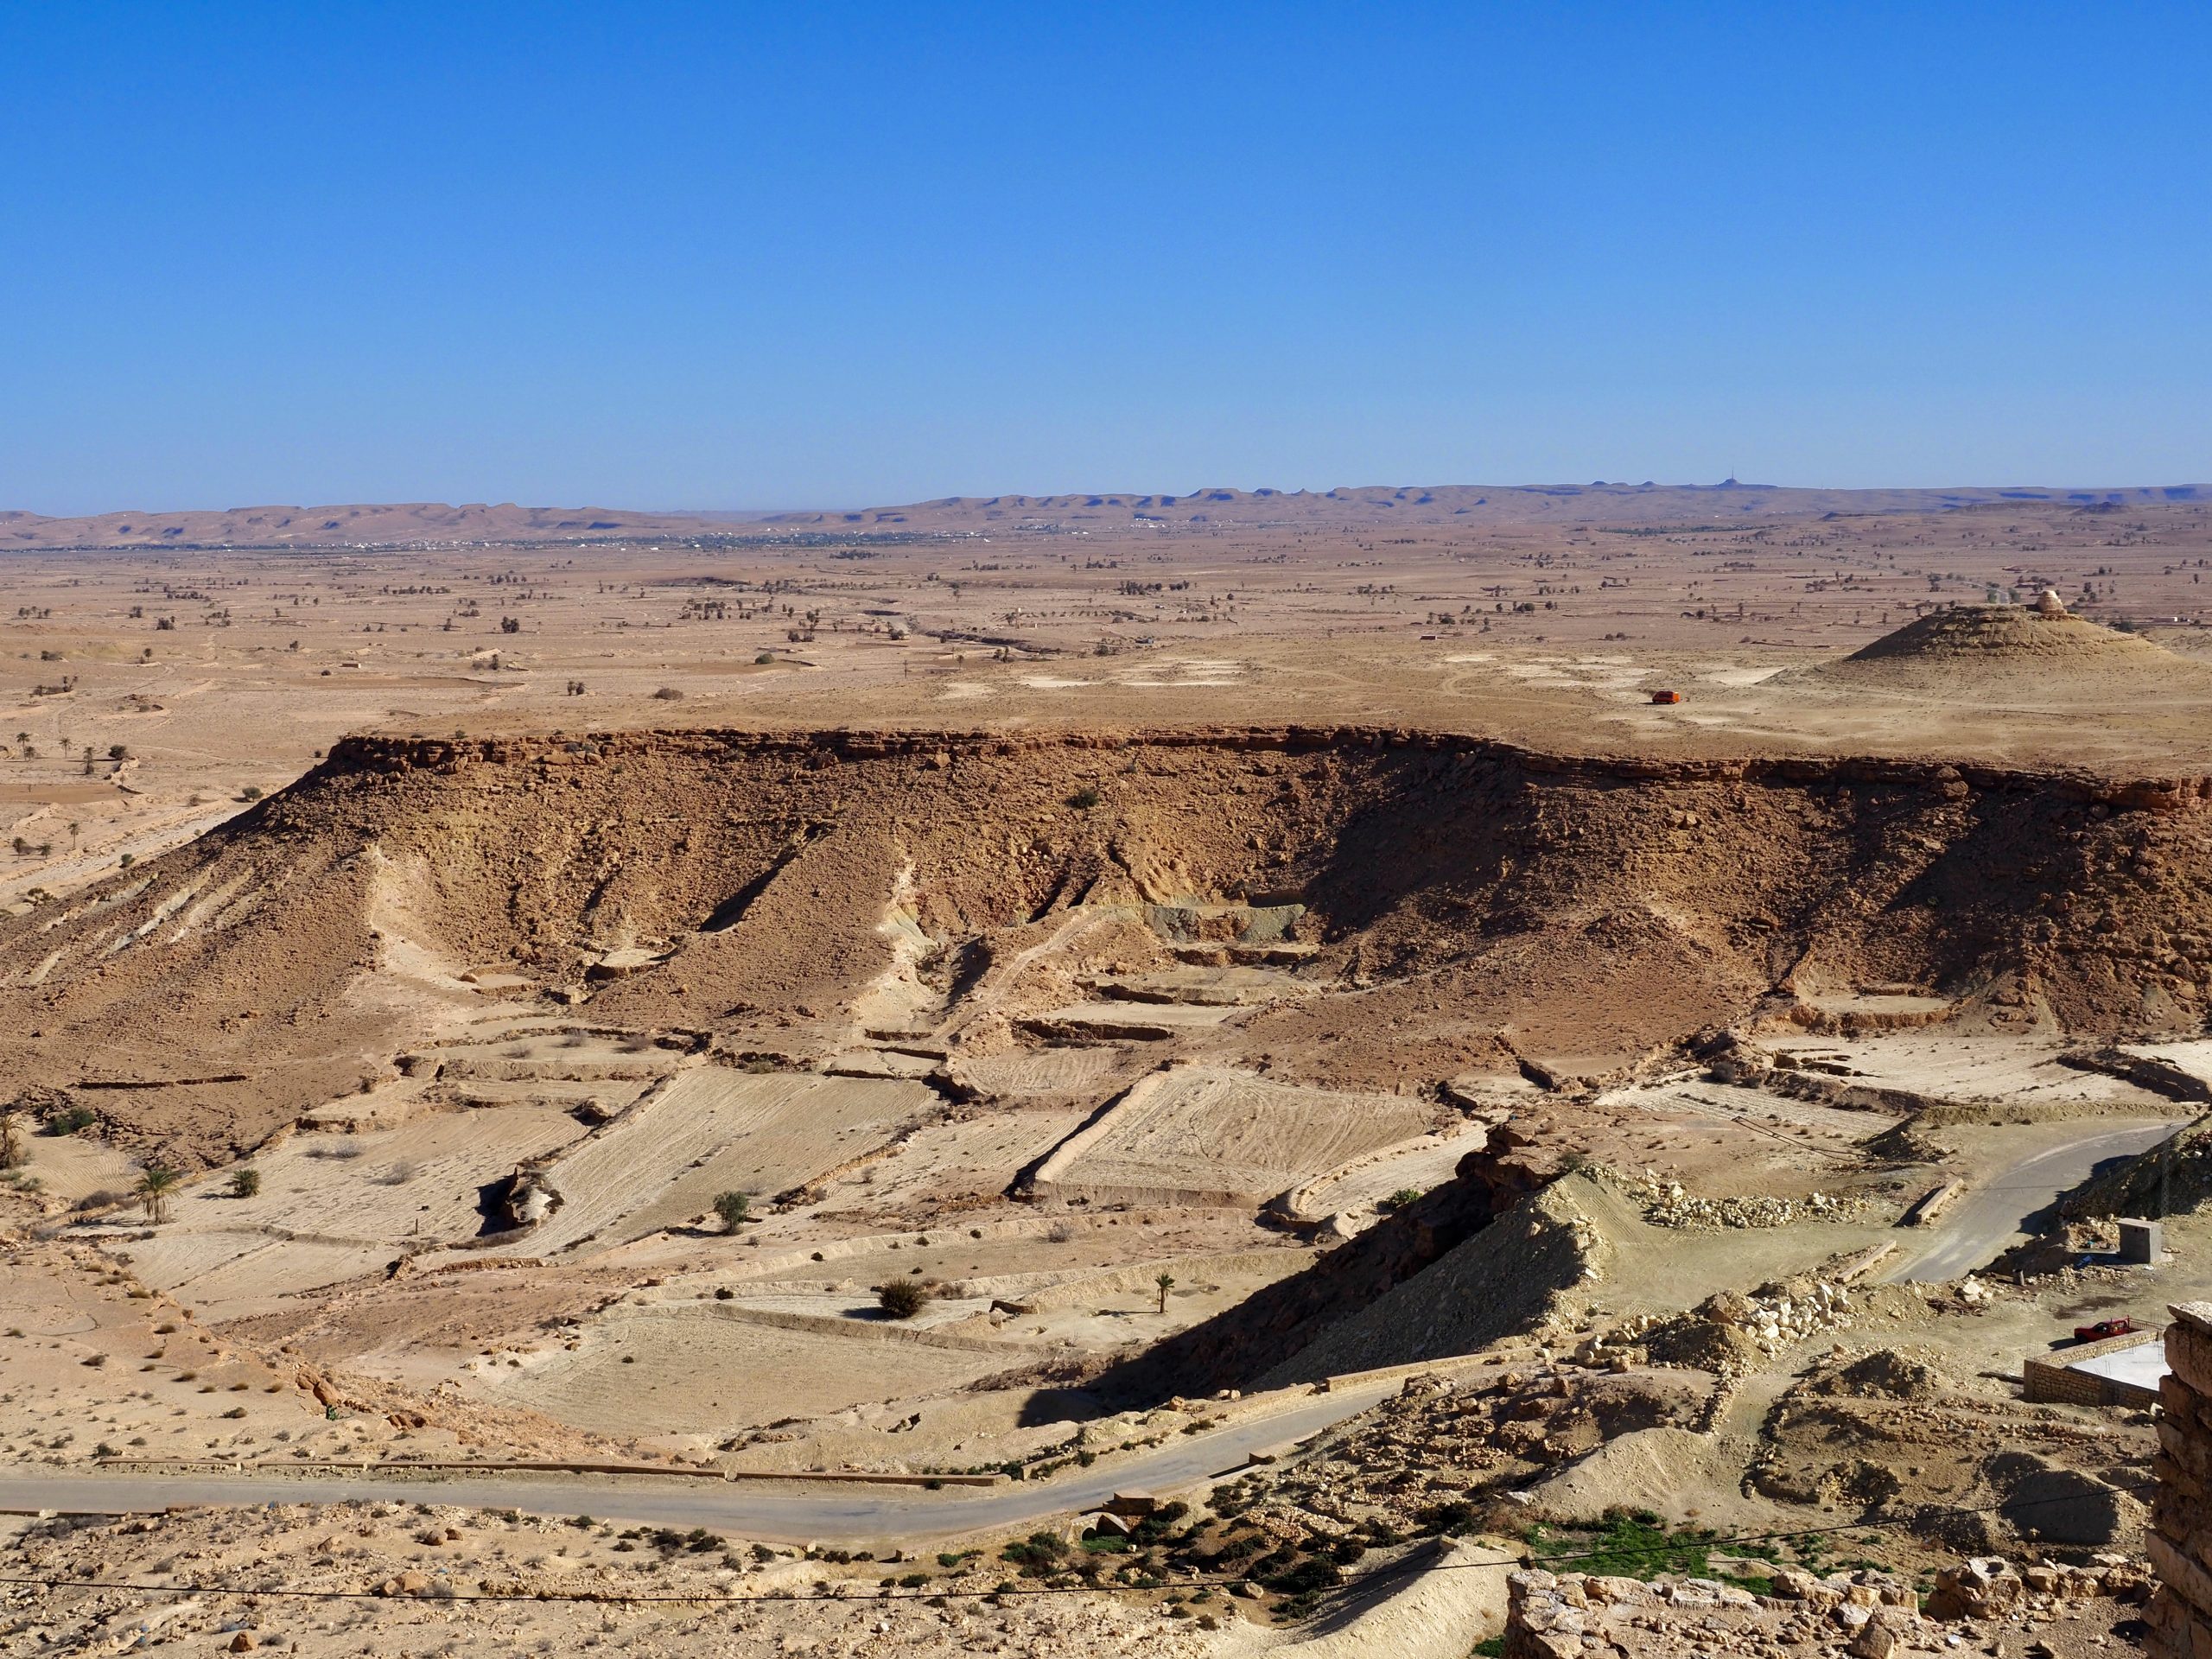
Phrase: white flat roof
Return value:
(2143, 1364)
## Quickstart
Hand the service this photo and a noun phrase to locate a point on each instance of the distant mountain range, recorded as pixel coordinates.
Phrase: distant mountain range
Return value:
(371, 525)
(1378, 506)
(1382, 505)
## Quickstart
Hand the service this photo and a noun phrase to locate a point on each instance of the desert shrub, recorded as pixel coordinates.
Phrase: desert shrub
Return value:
(70, 1119)
(250, 793)
(1403, 1197)
(732, 1207)
(901, 1298)
(765, 660)
(667, 694)
(1084, 798)
(1039, 1553)
(245, 1183)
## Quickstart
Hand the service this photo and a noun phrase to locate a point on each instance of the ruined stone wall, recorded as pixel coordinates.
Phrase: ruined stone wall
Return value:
(1864, 1614)
(2180, 1540)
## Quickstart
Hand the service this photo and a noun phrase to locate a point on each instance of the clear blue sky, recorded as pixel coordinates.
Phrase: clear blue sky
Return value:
(668, 254)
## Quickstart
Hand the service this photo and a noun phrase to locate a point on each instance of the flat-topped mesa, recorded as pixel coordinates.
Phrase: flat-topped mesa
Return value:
(391, 752)
(1586, 908)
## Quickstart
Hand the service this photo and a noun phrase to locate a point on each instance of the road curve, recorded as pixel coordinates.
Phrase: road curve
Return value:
(832, 1515)
(1987, 1217)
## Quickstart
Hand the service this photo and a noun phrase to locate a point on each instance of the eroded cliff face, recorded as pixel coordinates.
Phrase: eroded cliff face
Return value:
(1479, 906)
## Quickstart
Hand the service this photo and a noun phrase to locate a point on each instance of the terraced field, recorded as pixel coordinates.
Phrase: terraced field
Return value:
(1224, 1135)
(713, 1130)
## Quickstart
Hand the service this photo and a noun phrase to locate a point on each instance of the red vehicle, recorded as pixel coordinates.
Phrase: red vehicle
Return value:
(2103, 1328)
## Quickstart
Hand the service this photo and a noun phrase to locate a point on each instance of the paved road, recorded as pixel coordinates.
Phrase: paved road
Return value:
(833, 1514)
(1986, 1218)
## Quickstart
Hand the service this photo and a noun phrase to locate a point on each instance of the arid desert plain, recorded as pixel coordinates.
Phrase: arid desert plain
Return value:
(1185, 1074)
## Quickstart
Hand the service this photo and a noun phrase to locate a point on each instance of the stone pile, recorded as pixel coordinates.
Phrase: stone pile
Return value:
(1666, 1204)
(1866, 1615)
(1988, 1588)
(1856, 1615)
(1776, 1316)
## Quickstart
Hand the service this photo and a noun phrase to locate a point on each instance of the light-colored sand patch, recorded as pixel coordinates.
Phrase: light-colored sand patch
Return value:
(1415, 1166)
(1703, 1095)
(979, 1158)
(176, 1257)
(1048, 683)
(713, 1130)
(71, 1167)
(1956, 1067)
(1741, 675)
(2193, 1057)
(419, 1183)
(253, 1278)
(1138, 1022)
(963, 692)
(1225, 1136)
(693, 1371)
(1023, 1073)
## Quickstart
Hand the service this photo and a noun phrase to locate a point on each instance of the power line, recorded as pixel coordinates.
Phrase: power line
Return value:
(1346, 1588)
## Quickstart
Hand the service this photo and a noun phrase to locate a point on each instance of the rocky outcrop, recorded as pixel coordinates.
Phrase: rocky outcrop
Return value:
(2180, 1541)
(1498, 907)
(1262, 1333)
(1863, 1614)
(383, 753)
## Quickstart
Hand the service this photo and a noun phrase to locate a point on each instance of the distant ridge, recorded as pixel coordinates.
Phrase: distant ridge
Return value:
(374, 525)
(1377, 506)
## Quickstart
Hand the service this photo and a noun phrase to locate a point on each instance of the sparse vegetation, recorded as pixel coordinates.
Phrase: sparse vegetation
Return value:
(732, 1207)
(246, 1182)
(155, 1185)
(901, 1298)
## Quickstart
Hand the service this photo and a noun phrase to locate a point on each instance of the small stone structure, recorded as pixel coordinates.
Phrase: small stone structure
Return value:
(2141, 1242)
(2058, 1378)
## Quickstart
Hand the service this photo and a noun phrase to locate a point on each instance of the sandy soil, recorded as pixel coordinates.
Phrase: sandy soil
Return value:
(1031, 1014)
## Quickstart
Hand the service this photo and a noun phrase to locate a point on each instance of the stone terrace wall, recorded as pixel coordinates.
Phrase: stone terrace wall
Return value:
(2180, 1541)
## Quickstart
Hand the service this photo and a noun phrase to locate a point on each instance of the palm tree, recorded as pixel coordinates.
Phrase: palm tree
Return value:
(1167, 1282)
(154, 1188)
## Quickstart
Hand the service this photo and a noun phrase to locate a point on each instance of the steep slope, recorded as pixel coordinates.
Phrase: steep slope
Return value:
(1466, 903)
